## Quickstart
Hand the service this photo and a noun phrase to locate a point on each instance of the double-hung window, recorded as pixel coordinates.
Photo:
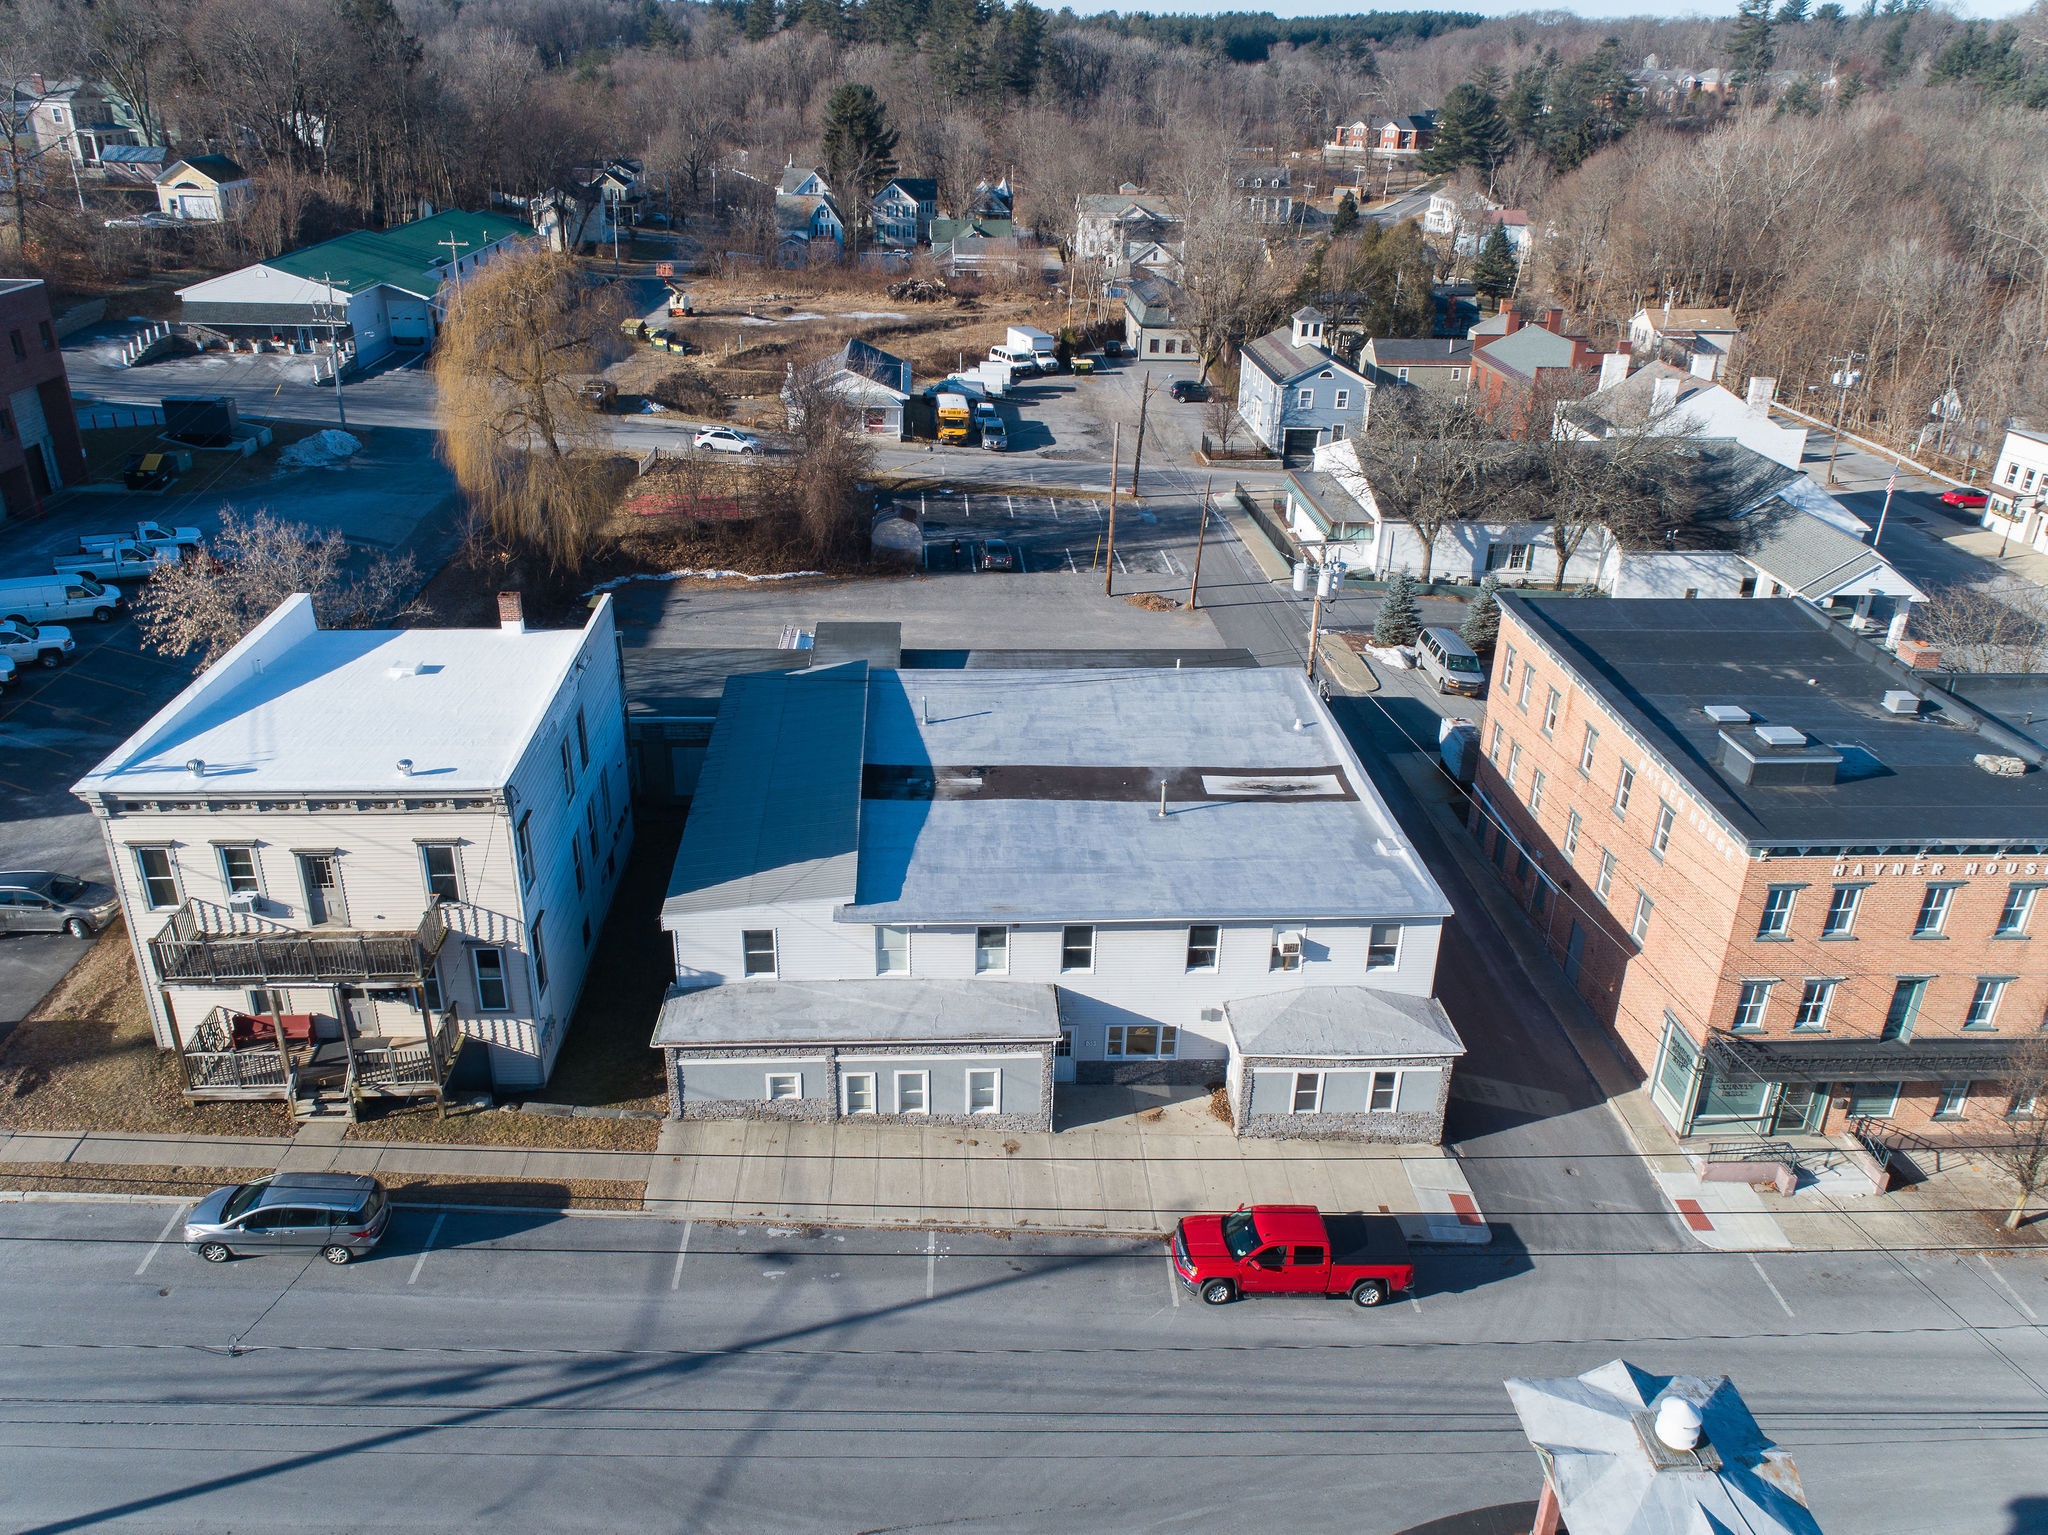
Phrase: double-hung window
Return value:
(783, 1086)
(1204, 941)
(1528, 683)
(540, 956)
(1384, 1092)
(1660, 837)
(1550, 708)
(1536, 782)
(568, 771)
(1814, 998)
(1776, 919)
(582, 740)
(1624, 786)
(1586, 750)
(1304, 399)
(159, 877)
(1514, 762)
(892, 951)
(1493, 746)
(1983, 1011)
(1639, 929)
(1383, 946)
(1934, 911)
(442, 869)
(1954, 1098)
(991, 951)
(857, 1093)
(522, 843)
(984, 1091)
(1606, 880)
(1750, 1006)
(1077, 949)
(2018, 908)
(1842, 907)
(1571, 834)
(757, 951)
(238, 871)
(491, 995)
(913, 1092)
(1308, 1093)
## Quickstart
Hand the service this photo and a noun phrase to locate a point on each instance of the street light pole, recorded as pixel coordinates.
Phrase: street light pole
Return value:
(1846, 373)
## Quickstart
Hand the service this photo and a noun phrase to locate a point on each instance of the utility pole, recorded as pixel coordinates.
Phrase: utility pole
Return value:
(1201, 535)
(1846, 375)
(1325, 569)
(1115, 453)
(454, 260)
(1137, 453)
(333, 347)
(1889, 485)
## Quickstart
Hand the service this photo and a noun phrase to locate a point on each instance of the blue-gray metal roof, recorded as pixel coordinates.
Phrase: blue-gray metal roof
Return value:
(776, 814)
(878, 1010)
(1341, 1023)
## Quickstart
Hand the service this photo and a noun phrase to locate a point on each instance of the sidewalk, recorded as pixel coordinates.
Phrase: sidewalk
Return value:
(1948, 1210)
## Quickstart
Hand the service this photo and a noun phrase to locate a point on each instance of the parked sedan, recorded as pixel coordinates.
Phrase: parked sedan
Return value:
(724, 439)
(1189, 390)
(1965, 497)
(37, 901)
(340, 1215)
(997, 555)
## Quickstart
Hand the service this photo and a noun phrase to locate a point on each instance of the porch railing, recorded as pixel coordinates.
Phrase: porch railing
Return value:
(187, 952)
(241, 1071)
(421, 1063)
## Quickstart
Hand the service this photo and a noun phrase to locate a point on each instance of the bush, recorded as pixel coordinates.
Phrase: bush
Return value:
(1398, 623)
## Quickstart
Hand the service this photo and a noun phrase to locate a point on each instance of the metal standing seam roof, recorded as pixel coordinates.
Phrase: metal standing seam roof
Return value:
(1340, 1022)
(883, 1010)
(1657, 662)
(776, 815)
(409, 257)
(1333, 504)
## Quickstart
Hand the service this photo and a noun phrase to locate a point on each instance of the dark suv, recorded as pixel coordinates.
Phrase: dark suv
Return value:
(343, 1215)
(1188, 389)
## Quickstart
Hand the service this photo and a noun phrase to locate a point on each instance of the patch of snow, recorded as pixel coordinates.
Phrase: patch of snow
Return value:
(870, 314)
(701, 575)
(804, 315)
(1400, 657)
(749, 319)
(322, 450)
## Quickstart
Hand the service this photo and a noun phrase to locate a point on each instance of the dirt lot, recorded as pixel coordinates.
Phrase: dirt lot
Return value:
(84, 1059)
(107, 450)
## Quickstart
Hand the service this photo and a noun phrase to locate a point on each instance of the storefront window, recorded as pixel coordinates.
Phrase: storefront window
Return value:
(1675, 1073)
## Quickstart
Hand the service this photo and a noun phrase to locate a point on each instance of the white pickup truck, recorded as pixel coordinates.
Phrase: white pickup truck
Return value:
(125, 561)
(24, 642)
(147, 535)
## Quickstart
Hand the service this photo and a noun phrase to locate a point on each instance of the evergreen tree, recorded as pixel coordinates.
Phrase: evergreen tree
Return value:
(1847, 92)
(1800, 97)
(1481, 627)
(1469, 131)
(860, 150)
(1023, 48)
(760, 20)
(1347, 215)
(1522, 107)
(1891, 58)
(1496, 269)
(1792, 13)
(1749, 44)
(1398, 622)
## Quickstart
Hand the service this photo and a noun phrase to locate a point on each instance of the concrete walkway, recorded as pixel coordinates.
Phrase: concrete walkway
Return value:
(1124, 1161)
(1953, 1208)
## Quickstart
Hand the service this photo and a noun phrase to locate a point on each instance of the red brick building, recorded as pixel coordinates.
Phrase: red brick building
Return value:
(1534, 365)
(39, 443)
(1795, 880)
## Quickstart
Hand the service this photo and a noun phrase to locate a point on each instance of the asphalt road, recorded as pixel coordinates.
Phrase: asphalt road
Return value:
(534, 1372)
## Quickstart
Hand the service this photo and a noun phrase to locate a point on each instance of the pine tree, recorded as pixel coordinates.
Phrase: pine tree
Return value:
(1792, 13)
(1749, 43)
(1494, 273)
(760, 19)
(860, 150)
(1398, 622)
(1469, 131)
(1023, 48)
(1891, 58)
(1347, 214)
(1482, 624)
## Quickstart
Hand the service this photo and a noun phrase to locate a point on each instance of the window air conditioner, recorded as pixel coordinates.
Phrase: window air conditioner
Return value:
(244, 900)
(1290, 944)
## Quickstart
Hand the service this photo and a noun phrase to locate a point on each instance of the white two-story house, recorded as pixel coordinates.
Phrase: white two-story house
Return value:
(1293, 394)
(904, 209)
(2018, 503)
(348, 856)
(936, 894)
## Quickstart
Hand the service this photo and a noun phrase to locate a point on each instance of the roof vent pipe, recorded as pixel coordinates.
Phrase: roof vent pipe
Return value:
(1162, 799)
(405, 767)
(1678, 1423)
(195, 767)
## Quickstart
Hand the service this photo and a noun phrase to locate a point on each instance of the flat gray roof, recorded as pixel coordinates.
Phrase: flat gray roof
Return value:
(1340, 1022)
(1659, 662)
(886, 1010)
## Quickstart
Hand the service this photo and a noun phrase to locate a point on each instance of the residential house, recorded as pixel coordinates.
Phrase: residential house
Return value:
(918, 895)
(2018, 507)
(1465, 218)
(1531, 368)
(78, 118)
(40, 449)
(1152, 323)
(1007, 254)
(1108, 225)
(1153, 258)
(1788, 874)
(802, 181)
(1406, 137)
(1293, 393)
(617, 182)
(1673, 88)
(1265, 192)
(1669, 402)
(205, 189)
(133, 164)
(868, 379)
(904, 209)
(347, 855)
(805, 222)
(389, 287)
(1440, 365)
(573, 218)
(991, 200)
(1702, 341)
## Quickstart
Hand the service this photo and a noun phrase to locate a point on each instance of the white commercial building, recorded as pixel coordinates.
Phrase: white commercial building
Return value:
(2019, 490)
(344, 853)
(937, 893)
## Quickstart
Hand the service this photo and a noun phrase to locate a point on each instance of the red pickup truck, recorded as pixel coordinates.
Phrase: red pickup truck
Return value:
(1291, 1250)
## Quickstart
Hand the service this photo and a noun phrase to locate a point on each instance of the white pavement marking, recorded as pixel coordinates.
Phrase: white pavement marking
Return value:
(1053, 502)
(421, 1261)
(162, 1237)
(2009, 1290)
(967, 503)
(931, 1264)
(1414, 1299)
(1766, 1278)
(1013, 502)
(1172, 1282)
(1071, 568)
(675, 1280)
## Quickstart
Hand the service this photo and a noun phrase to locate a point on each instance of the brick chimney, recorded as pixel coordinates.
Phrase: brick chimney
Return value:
(1515, 321)
(1553, 321)
(511, 613)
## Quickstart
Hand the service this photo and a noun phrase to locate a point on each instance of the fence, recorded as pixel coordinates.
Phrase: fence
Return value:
(1276, 531)
(93, 418)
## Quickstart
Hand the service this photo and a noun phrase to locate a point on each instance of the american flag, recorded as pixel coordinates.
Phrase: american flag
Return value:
(1892, 483)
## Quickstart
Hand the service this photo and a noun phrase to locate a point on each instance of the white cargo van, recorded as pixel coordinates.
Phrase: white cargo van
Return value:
(1022, 360)
(45, 599)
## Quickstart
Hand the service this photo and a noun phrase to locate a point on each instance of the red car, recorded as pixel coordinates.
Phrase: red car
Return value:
(1291, 1250)
(1964, 497)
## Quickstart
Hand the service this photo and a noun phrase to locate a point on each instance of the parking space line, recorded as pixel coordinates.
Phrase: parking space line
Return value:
(1053, 502)
(931, 1264)
(675, 1280)
(1172, 1282)
(1766, 1278)
(1071, 567)
(421, 1261)
(2009, 1290)
(162, 1237)
(1013, 503)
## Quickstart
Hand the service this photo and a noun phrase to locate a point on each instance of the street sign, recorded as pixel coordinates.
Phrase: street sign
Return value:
(664, 269)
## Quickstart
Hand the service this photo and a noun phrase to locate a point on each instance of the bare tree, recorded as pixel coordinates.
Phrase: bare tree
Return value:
(205, 605)
(521, 338)
(2019, 1147)
(817, 492)
(1220, 417)
(1978, 629)
(1423, 462)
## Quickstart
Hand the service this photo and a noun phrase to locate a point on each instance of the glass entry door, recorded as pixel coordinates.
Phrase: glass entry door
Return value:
(1800, 1106)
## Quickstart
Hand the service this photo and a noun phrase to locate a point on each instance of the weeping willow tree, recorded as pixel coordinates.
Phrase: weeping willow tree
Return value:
(521, 338)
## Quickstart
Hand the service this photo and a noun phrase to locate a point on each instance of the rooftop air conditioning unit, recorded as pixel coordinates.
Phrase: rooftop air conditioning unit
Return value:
(1901, 701)
(1727, 714)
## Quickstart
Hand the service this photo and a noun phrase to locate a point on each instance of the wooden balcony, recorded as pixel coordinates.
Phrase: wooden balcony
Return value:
(359, 1066)
(190, 953)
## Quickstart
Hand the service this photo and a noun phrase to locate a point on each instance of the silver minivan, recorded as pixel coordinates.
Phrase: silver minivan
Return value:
(49, 599)
(37, 901)
(339, 1215)
(1449, 662)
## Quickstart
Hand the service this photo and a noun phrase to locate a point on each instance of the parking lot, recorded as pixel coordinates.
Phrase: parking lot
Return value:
(1050, 533)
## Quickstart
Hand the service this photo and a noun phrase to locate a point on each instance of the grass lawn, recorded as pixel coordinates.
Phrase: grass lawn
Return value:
(84, 1059)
